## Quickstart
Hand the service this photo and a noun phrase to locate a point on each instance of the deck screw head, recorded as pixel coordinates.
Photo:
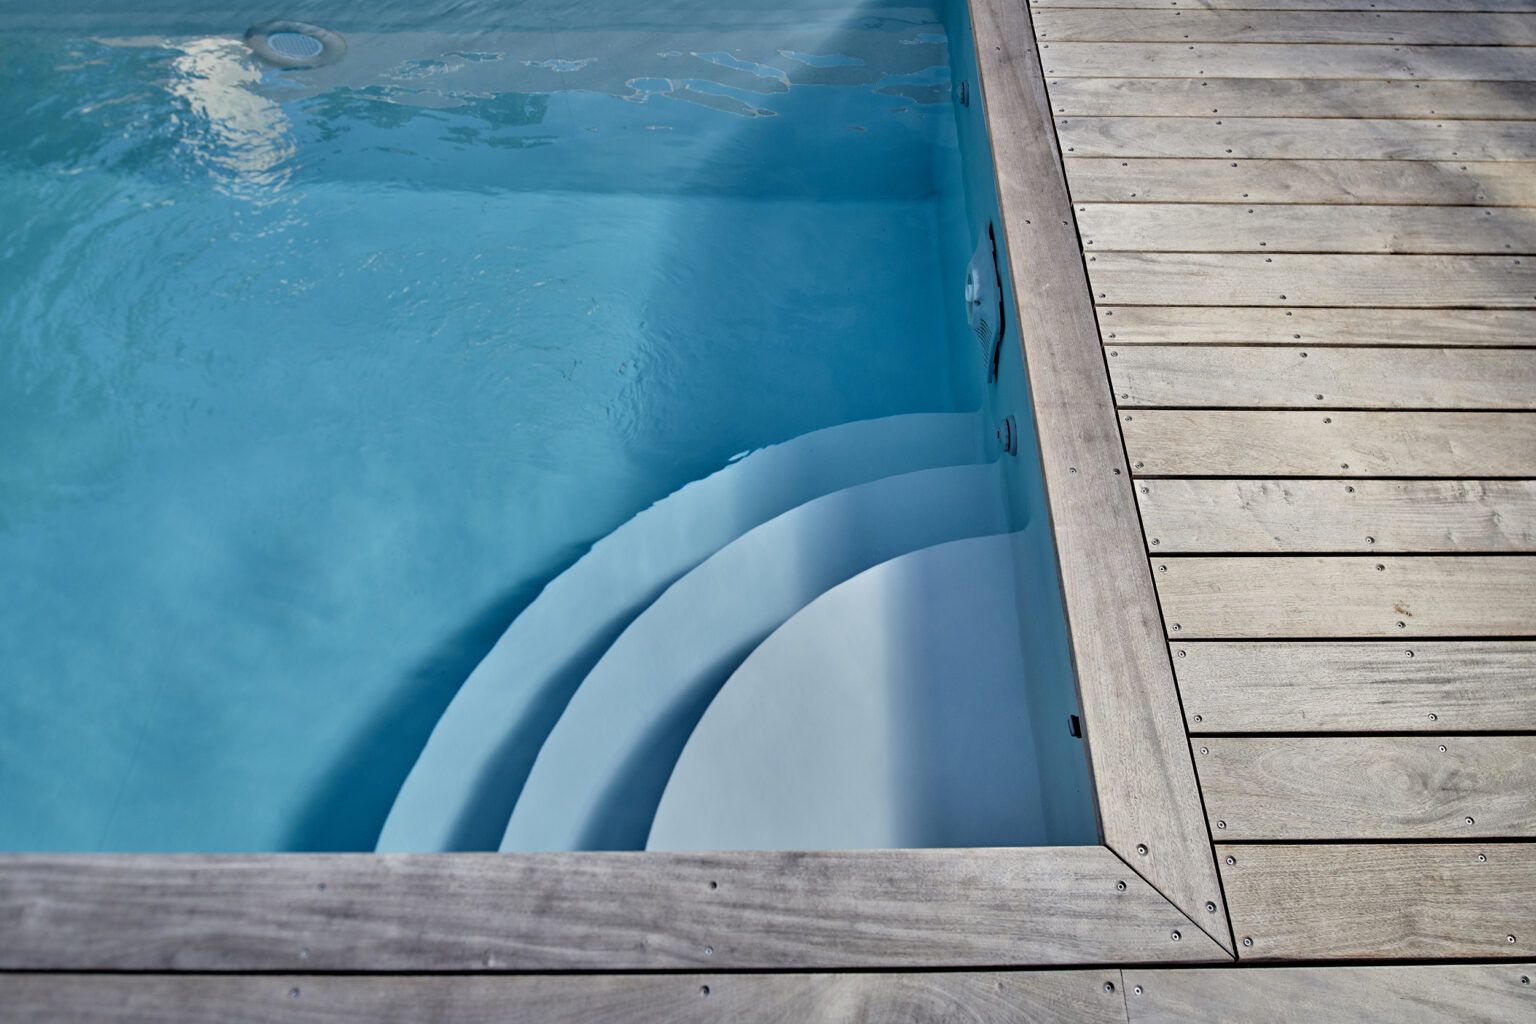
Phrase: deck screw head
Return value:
(1482, 858)
(293, 993)
(709, 950)
(1509, 939)
(1434, 717)
(1402, 625)
(1182, 654)
(1523, 981)
(1177, 627)
(1221, 824)
(1442, 748)
(1210, 907)
(1471, 821)
(1247, 941)
(1141, 848)
(1109, 986)
(1155, 542)
(1175, 936)
(1205, 750)
(1231, 861)
(703, 990)
(1120, 886)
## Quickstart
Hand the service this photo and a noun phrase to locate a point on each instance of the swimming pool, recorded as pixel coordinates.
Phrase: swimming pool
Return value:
(489, 438)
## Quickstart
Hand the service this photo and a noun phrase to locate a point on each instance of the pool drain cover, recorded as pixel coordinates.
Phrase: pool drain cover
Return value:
(293, 44)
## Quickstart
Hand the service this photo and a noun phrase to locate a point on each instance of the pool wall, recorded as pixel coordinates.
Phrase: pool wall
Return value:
(1065, 782)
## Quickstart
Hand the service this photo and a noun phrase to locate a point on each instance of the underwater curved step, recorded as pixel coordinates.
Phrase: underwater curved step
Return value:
(891, 712)
(463, 786)
(602, 770)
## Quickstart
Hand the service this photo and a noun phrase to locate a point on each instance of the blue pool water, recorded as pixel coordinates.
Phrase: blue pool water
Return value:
(310, 380)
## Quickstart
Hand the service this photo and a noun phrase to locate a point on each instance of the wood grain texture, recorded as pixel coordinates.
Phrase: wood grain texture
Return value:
(1224, 442)
(1140, 756)
(1421, 686)
(1228, 279)
(1044, 997)
(1462, 993)
(540, 912)
(1296, 596)
(1339, 182)
(1291, 97)
(1364, 516)
(1238, 376)
(1382, 901)
(1369, 787)
(1229, 227)
(1297, 138)
(1201, 325)
(1170, 25)
(1278, 60)
(1509, 6)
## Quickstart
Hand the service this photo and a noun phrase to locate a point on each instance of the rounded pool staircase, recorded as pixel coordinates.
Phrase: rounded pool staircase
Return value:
(818, 646)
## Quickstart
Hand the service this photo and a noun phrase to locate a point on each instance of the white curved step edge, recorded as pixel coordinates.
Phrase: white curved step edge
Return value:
(891, 712)
(467, 779)
(602, 770)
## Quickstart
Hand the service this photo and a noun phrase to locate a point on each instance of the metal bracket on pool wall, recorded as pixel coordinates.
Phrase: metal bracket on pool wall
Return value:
(984, 301)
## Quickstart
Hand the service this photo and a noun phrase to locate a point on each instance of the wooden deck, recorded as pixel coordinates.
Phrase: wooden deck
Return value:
(1310, 230)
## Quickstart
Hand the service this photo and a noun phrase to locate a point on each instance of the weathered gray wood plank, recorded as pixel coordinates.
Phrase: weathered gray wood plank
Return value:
(1290, 97)
(1381, 901)
(1514, 6)
(1245, 376)
(1402, 596)
(1221, 136)
(1230, 227)
(1228, 279)
(1331, 516)
(541, 912)
(1462, 993)
(1369, 787)
(1340, 182)
(1422, 686)
(1230, 442)
(1171, 25)
(1279, 60)
(1203, 325)
(1044, 997)
(1140, 755)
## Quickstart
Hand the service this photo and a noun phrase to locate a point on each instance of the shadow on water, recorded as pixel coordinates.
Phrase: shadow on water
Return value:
(348, 805)
(739, 392)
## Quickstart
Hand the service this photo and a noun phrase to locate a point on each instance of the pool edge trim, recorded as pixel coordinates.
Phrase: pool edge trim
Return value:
(1150, 808)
